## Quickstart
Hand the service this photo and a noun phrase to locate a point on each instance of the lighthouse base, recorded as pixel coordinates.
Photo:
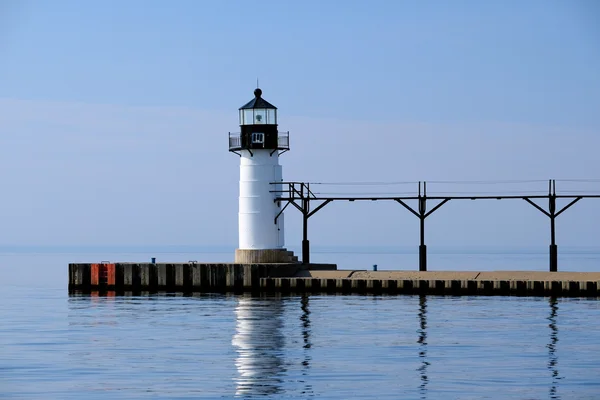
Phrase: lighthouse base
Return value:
(244, 256)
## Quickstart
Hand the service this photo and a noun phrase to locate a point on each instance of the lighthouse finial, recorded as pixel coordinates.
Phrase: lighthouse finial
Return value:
(257, 91)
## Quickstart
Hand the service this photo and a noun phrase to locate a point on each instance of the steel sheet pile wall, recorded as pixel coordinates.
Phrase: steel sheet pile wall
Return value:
(296, 278)
(178, 277)
(436, 287)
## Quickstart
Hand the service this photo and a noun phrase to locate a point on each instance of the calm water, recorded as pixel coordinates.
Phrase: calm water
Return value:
(56, 346)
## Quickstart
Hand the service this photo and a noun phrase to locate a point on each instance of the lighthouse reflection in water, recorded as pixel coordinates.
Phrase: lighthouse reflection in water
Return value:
(259, 342)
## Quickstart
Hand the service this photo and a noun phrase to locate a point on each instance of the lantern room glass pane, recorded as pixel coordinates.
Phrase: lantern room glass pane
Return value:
(241, 117)
(260, 116)
(248, 117)
(272, 117)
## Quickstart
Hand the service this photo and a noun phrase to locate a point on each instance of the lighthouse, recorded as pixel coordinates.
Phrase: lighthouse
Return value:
(259, 145)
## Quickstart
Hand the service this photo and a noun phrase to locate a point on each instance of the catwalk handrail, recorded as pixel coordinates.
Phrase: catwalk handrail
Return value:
(300, 191)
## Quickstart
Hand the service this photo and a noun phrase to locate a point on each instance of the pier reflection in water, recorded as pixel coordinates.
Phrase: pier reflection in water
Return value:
(260, 344)
(422, 340)
(552, 358)
(305, 322)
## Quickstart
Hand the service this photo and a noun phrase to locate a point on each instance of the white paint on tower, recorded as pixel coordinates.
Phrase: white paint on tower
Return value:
(258, 209)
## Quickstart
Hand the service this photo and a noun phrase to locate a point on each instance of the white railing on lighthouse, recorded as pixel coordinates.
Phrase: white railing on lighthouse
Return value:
(283, 140)
(235, 141)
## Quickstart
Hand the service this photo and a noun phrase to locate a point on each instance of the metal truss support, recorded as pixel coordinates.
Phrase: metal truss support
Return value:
(552, 214)
(422, 214)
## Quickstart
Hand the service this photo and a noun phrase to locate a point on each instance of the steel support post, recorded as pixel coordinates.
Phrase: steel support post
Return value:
(553, 247)
(305, 242)
(422, 246)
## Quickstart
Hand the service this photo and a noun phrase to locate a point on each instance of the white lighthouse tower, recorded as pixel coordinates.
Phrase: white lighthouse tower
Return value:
(259, 144)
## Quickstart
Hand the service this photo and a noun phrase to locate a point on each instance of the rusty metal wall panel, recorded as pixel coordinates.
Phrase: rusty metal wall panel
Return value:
(95, 275)
(110, 275)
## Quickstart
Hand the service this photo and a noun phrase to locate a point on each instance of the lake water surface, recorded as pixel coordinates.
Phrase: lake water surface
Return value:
(56, 346)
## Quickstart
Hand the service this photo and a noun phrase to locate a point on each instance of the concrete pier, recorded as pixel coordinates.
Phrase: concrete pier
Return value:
(323, 278)
(504, 283)
(180, 277)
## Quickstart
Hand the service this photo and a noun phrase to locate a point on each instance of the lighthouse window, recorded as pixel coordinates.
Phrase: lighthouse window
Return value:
(258, 138)
(259, 117)
(248, 117)
(271, 117)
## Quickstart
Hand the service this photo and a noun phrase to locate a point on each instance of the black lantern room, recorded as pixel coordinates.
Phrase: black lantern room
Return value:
(258, 123)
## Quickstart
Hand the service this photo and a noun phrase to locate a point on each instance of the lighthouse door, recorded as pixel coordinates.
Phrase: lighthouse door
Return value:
(278, 232)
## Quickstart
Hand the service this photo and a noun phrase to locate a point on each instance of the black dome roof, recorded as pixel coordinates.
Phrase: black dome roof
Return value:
(258, 102)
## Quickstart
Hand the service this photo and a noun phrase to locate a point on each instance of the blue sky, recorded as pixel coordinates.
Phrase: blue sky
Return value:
(114, 114)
